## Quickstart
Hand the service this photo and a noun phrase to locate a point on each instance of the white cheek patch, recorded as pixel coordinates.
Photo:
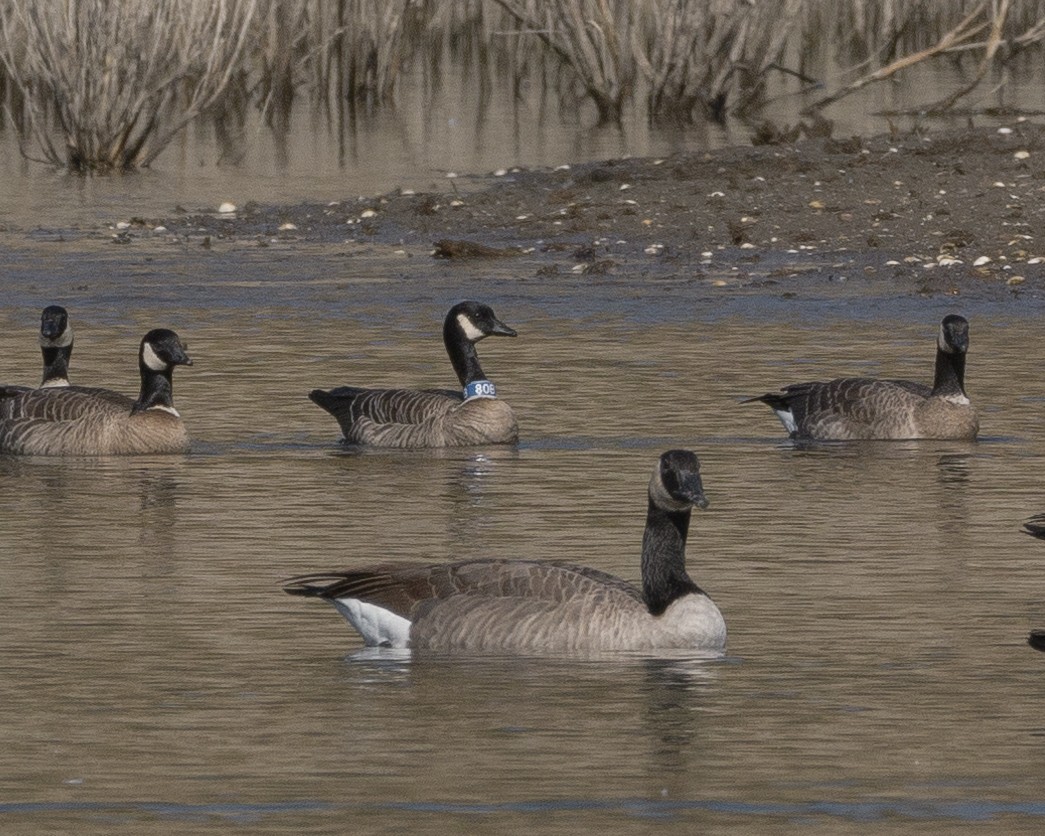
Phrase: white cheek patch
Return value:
(152, 359)
(378, 627)
(660, 496)
(469, 328)
(787, 418)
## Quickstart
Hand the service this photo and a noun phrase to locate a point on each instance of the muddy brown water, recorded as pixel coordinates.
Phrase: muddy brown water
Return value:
(156, 679)
(877, 597)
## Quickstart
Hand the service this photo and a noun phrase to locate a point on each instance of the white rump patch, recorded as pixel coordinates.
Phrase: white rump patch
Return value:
(470, 329)
(152, 359)
(787, 418)
(378, 627)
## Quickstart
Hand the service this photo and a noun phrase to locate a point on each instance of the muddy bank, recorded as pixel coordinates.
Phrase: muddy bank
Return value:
(944, 213)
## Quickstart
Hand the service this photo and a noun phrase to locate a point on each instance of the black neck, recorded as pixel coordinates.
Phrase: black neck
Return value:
(950, 373)
(56, 362)
(664, 576)
(462, 354)
(157, 389)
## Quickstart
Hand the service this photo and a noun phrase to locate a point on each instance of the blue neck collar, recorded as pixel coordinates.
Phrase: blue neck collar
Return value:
(479, 389)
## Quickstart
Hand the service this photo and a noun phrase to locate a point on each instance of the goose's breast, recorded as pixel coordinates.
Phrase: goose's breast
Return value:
(947, 418)
(482, 421)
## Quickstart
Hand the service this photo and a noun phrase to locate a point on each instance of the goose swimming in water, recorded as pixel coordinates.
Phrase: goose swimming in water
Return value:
(866, 408)
(432, 417)
(533, 606)
(83, 421)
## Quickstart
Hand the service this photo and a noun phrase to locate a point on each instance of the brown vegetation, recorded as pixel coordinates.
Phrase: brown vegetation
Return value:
(104, 85)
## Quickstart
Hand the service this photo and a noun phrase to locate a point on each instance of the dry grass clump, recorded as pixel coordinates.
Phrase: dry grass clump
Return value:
(106, 84)
(713, 54)
(342, 51)
(682, 55)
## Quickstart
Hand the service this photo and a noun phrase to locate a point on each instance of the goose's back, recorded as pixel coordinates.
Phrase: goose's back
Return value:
(417, 417)
(84, 421)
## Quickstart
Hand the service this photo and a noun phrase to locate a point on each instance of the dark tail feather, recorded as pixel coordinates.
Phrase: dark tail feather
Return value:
(1036, 639)
(336, 400)
(1035, 526)
(770, 399)
(310, 586)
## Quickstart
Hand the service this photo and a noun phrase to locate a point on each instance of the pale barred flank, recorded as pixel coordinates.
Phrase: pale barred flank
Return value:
(610, 621)
(80, 421)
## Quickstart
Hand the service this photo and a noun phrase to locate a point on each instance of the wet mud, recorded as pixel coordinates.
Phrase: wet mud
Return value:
(945, 213)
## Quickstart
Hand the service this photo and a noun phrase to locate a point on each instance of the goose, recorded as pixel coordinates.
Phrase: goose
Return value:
(56, 345)
(866, 408)
(83, 421)
(533, 606)
(432, 417)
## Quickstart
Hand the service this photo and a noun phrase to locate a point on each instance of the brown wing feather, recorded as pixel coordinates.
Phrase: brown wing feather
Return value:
(406, 589)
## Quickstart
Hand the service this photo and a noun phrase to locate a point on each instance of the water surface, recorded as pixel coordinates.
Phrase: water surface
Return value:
(877, 596)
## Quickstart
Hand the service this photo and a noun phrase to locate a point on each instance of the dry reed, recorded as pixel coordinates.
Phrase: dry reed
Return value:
(682, 54)
(908, 34)
(103, 85)
(117, 79)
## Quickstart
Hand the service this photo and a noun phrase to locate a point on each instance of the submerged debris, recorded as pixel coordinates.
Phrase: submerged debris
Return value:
(451, 248)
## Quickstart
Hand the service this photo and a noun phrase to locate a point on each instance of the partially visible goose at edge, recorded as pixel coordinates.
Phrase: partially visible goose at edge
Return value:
(533, 606)
(865, 408)
(82, 421)
(432, 417)
(56, 345)
(1035, 527)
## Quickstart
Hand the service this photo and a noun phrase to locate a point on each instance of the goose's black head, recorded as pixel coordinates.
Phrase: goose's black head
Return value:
(473, 321)
(954, 334)
(161, 350)
(54, 327)
(675, 485)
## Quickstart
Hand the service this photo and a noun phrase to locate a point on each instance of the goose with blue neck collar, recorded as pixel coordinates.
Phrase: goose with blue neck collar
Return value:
(412, 418)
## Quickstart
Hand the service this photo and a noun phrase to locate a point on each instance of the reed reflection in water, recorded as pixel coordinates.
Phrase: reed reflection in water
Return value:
(877, 596)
